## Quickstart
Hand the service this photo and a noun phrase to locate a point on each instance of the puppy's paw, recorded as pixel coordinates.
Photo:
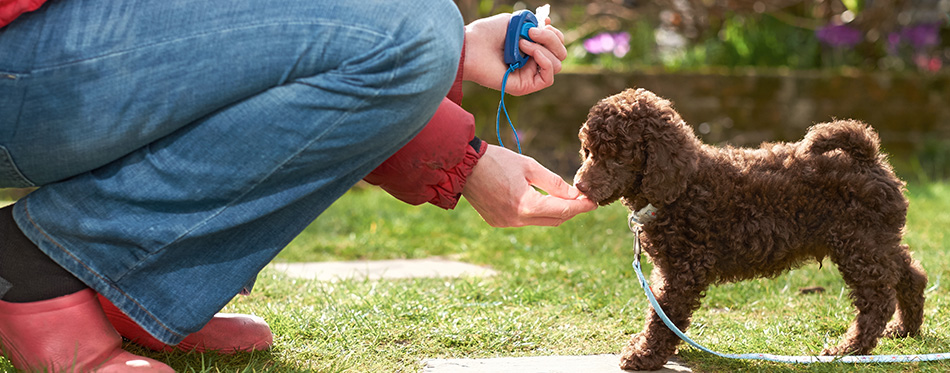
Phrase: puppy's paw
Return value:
(633, 358)
(843, 350)
(896, 329)
(895, 333)
(831, 351)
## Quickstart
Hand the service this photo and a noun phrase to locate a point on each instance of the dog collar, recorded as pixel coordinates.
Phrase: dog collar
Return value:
(642, 216)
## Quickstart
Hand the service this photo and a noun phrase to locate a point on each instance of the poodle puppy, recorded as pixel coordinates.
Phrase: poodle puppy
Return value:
(726, 214)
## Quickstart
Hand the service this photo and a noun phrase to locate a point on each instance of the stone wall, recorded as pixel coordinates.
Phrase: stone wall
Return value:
(910, 111)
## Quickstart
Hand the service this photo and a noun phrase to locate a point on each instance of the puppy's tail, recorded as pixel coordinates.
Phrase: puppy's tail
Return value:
(855, 138)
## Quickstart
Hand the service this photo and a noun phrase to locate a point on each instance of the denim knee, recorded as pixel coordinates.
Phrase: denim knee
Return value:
(441, 30)
(433, 32)
(430, 41)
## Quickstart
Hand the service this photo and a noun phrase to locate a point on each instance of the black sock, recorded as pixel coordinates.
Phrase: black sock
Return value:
(27, 273)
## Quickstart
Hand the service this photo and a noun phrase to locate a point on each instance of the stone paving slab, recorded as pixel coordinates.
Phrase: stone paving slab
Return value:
(382, 269)
(538, 364)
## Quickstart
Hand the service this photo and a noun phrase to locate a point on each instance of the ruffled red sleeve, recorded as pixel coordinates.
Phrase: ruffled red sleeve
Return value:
(10, 9)
(434, 166)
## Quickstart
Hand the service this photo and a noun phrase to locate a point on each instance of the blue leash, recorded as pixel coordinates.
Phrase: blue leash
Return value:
(501, 107)
(635, 227)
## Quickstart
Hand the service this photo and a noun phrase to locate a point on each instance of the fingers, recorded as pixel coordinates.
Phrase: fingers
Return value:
(563, 202)
(545, 59)
(551, 38)
(502, 189)
(542, 210)
(553, 211)
(560, 36)
(537, 74)
(547, 52)
(542, 76)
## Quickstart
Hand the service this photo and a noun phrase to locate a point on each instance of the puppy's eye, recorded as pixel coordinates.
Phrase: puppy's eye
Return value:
(585, 153)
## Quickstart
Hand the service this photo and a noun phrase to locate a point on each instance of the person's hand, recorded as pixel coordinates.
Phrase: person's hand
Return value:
(485, 64)
(501, 189)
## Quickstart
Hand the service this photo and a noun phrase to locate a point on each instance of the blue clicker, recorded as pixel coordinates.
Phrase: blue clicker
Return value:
(518, 27)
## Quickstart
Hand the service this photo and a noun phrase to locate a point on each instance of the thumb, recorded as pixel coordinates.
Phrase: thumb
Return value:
(549, 182)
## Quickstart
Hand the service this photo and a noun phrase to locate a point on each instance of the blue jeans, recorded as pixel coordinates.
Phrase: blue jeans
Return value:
(179, 145)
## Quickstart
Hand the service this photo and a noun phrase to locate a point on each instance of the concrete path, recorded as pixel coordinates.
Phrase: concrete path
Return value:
(538, 364)
(382, 269)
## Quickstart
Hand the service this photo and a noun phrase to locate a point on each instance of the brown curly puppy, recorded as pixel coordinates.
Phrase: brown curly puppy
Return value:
(727, 214)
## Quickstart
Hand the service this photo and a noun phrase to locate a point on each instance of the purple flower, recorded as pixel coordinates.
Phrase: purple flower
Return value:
(917, 36)
(618, 43)
(622, 41)
(839, 35)
(921, 36)
(599, 43)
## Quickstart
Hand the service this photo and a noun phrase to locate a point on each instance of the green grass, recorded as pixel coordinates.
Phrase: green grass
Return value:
(565, 290)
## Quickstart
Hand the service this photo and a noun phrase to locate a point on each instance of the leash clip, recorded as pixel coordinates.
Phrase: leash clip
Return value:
(635, 226)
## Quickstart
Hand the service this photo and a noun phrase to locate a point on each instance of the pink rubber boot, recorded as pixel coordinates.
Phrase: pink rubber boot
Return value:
(226, 333)
(67, 333)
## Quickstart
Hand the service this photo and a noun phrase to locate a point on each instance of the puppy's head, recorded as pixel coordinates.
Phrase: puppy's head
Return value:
(635, 146)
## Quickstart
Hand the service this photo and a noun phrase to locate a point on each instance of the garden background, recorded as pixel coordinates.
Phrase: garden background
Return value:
(742, 72)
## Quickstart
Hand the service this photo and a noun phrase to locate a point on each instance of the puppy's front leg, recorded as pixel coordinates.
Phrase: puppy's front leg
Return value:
(679, 296)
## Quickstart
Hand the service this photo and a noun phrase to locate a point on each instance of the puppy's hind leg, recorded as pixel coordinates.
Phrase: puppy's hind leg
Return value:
(872, 278)
(910, 298)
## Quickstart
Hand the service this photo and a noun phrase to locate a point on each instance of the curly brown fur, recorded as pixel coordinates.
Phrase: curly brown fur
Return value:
(728, 214)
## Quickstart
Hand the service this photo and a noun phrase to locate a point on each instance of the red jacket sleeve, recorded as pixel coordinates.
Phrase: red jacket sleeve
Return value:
(434, 165)
(10, 9)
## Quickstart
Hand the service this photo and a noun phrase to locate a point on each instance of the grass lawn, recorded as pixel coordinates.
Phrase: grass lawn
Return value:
(565, 290)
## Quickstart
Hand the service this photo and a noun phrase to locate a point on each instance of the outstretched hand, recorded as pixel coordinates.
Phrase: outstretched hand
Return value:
(501, 189)
(502, 184)
(485, 64)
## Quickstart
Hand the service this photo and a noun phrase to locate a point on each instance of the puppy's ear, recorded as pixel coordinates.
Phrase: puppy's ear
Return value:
(672, 155)
(607, 130)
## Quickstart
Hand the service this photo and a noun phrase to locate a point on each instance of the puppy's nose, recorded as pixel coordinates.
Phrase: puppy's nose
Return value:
(582, 186)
